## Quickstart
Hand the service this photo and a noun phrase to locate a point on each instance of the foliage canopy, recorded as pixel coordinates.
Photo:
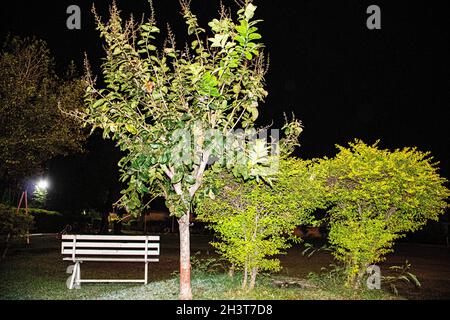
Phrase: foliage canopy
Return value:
(161, 106)
(32, 127)
(254, 221)
(377, 196)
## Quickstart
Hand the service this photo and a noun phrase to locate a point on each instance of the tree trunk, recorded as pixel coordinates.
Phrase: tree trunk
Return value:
(185, 258)
(358, 279)
(253, 277)
(231, 271)
(244, 281)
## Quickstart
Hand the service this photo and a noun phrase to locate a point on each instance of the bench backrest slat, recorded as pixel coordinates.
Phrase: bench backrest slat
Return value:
(103, 245)
(136, 245)
(111, 252)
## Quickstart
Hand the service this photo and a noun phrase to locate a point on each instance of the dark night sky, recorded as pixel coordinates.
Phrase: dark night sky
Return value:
(341, 79)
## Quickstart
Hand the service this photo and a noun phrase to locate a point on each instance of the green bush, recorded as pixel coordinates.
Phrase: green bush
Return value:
(46, 221)
(37, 220)
(377, 196)
(13, 224)
(254, 221)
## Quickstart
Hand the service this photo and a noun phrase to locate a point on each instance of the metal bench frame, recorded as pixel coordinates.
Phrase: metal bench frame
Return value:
(80, 248)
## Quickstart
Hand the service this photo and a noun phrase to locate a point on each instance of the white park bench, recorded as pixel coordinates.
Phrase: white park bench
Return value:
(81, 248)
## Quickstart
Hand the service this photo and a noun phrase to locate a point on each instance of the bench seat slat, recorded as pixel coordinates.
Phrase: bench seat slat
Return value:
(112, 259)
(105, 237)
(111, 280)
(81, 244)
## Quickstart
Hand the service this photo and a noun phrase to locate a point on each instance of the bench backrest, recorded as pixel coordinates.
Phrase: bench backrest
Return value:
(89, 246)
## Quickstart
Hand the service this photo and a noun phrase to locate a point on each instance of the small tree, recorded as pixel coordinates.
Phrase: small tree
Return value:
(254, 220)
(377, 196)
(166, 108)
(32, 128)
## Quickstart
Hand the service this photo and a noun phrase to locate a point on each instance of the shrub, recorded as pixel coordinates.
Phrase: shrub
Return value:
(378, 196)
(254, 221)
(13, 224)
(46, 221)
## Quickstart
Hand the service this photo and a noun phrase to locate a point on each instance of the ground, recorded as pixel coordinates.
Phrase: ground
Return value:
(37, 271)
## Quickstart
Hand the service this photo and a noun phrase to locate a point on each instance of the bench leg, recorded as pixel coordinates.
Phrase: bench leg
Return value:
(146, 273)
(75, 277)
(78, 282)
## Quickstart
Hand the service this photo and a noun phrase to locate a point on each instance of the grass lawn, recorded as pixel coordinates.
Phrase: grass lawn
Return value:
(38, 272)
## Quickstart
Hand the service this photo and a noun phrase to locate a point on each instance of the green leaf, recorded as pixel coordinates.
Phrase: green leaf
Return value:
(186, 117)
(98, 103)
(117, 50)
(249, 11)
(131, 129)
(177, 177)
(242, 28)
(190, 179)
(254, 111)
(254, 36)
(219, 40)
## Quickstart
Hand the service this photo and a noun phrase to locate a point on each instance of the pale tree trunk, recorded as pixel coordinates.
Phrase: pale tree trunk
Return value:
(254, 271)
(185, 258)
(231, 271)
(244, 281)
(183, 223)
(358, 279)
(253, 277)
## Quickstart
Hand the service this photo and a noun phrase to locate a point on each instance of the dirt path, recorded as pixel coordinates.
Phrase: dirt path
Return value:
(431, 264)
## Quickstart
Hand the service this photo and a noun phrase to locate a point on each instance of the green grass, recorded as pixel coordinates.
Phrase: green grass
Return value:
(222, 287)
(41, 275)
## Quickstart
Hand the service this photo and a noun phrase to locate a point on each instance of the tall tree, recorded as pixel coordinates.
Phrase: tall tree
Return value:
(170, 110)
(32, 128)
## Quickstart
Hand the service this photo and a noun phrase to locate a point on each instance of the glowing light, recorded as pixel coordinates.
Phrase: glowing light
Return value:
(42, 184)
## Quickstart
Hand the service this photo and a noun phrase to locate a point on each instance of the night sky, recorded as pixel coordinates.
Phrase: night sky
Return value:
(341, 79)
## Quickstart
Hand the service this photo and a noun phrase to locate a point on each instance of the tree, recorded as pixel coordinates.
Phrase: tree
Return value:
(253, 220)
(173, 111)
(32, 128)
(377, 196)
